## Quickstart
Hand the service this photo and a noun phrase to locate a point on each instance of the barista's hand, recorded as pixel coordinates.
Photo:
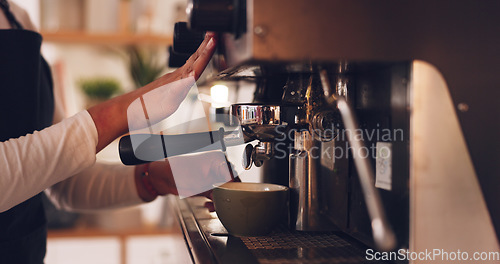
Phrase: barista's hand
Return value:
(153, 102)
(185, 175)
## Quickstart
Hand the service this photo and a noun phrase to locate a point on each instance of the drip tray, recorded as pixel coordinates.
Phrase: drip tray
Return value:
(284, 246)
(209, 242)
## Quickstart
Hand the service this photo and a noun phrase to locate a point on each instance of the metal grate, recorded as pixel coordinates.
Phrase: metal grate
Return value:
(284, 246)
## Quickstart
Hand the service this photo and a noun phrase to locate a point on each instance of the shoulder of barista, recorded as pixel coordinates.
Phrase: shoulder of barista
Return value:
(20, 14)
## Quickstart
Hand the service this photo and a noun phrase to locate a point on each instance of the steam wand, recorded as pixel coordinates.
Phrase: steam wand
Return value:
(383, 234)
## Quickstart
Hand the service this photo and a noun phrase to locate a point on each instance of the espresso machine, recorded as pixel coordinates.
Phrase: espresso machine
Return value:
(376, 114)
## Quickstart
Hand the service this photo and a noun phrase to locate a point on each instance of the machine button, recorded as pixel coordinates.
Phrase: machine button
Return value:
(217, 15)
(186, 40)
(176, 59)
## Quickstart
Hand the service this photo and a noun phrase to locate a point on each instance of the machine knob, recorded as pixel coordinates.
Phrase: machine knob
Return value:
(216, 15)
(176, 59)
(186, 40)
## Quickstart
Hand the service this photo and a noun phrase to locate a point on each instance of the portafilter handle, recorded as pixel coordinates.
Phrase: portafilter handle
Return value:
(143, 148)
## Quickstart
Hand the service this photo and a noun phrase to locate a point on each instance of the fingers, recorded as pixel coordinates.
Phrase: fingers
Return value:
(204, 57)
(162, 178)
(210, 206)
(209, 39)
(199, 60)
(203, 46)
(178, 176)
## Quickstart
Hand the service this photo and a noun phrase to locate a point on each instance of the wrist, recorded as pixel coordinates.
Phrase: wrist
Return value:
(145, 189)
(110, 120)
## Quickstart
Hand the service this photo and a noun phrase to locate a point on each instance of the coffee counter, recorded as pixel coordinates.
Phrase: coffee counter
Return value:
(209, 242)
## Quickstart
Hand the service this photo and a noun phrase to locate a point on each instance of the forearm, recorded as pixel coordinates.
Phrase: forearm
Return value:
(36, 161)
(110, 119)
(113, 117)
(105, 186)
(102, 186)
(154, 101)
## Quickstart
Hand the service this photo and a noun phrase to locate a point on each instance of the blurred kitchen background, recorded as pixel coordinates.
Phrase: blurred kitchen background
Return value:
(99, 49)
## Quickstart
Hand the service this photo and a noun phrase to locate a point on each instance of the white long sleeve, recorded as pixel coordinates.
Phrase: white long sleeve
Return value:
(102, 186)
(34, 162)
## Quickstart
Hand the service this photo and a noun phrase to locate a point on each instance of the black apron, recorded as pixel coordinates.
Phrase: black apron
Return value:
(26, 105)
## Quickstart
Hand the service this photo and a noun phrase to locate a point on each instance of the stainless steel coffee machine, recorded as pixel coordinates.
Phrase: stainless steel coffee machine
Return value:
(379, 115)
(380, 107)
